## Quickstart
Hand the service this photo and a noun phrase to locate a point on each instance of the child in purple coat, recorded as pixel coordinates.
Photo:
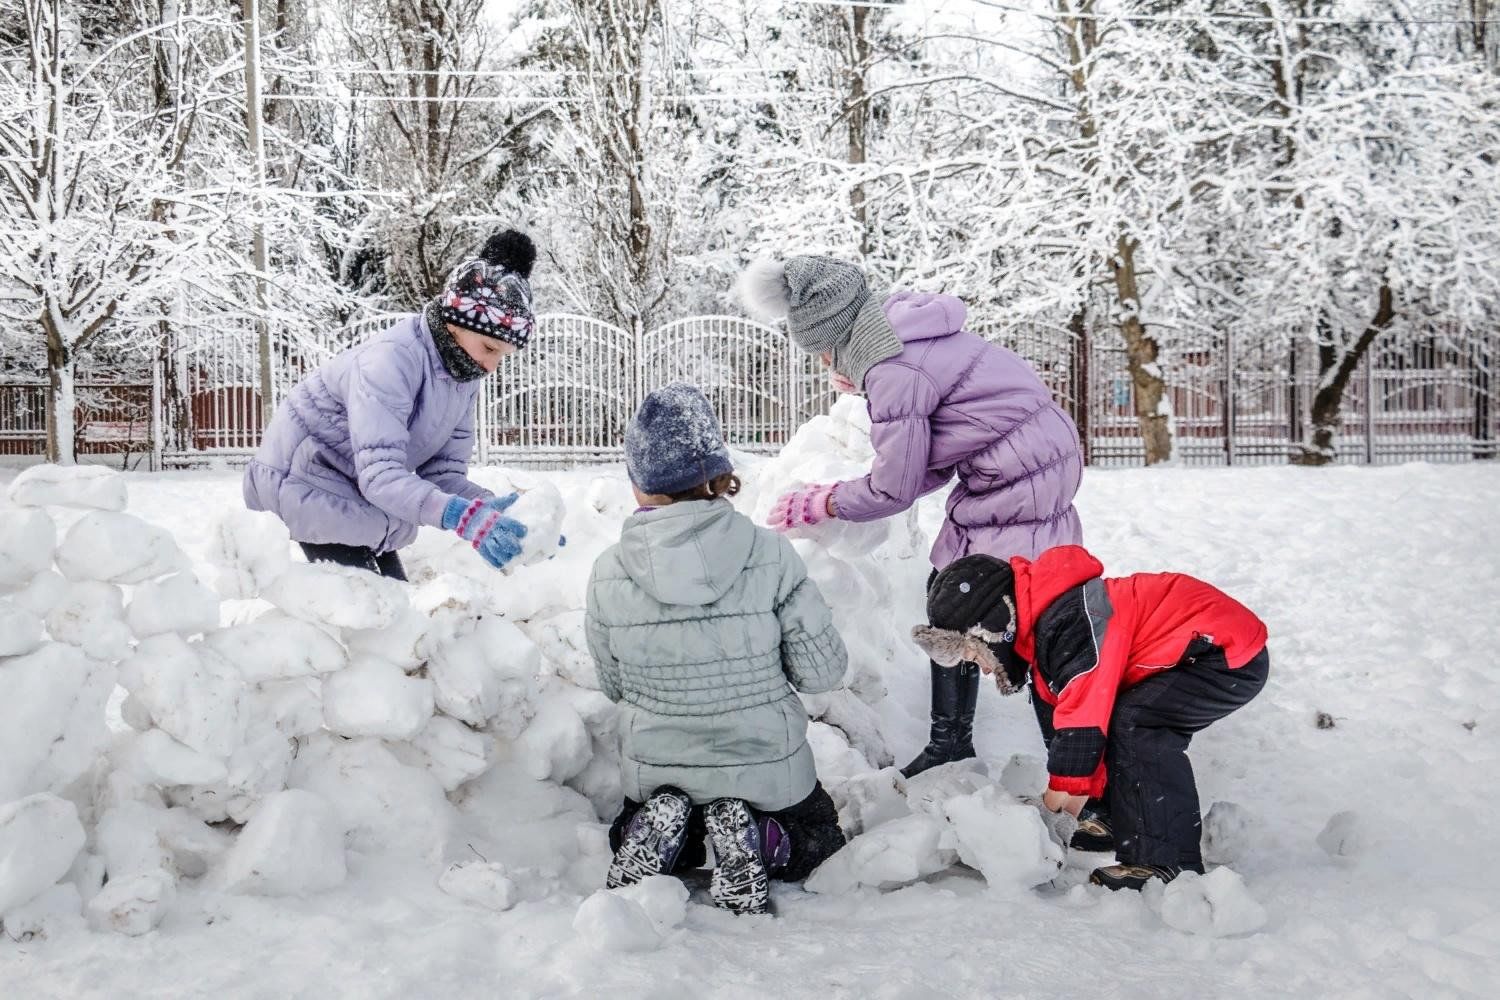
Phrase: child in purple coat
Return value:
(944, 404)
(377, 441)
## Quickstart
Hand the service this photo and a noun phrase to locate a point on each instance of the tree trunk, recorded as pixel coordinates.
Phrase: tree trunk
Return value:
(62, 402)
(858, 119)
(1334, 373)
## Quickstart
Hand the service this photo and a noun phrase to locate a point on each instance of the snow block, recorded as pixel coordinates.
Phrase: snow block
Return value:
(891, 855)
(40, 836)
(250, 549)
(190, 691)
(1228, 831)
(133, 905)
(46, 915)
(20, 630)
(663, 897)
(449, 750)
(277, 646)
(177, 603)
(1342, 837)
(28, 538)
(1216, 904)
(1003, 839)
(91, 616)
(338, 596)
(160, 760)
(51, 719)
(291, 847)
(69, 486)
(42, 594)
(556, 746)
(487, 884)
(488, 674)
(382, 805)
(376, 698)
(118, 548)
(294, 706)
(613, 923)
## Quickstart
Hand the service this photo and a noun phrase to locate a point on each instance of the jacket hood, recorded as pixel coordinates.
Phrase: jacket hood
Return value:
(1040, 582)
(688, 553)
(924, 316)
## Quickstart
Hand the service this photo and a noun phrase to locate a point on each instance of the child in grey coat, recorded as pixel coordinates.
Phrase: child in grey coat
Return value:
(703, 627)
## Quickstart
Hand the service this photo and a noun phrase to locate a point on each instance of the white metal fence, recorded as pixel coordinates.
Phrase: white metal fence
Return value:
(567, 398)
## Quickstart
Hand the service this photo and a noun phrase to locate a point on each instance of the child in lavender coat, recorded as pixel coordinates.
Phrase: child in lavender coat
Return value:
(944, 404)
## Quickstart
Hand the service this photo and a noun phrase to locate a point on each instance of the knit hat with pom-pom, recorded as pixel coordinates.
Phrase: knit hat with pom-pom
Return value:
(491, 294)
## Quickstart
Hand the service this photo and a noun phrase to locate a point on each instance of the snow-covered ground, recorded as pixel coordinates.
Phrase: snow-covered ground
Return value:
(1379, 587)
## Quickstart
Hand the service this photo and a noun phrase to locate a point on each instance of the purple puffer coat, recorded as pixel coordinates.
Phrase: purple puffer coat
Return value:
(949, 403)
(369, 446)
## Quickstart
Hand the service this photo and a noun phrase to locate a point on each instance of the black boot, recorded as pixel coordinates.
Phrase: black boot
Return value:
(955, 692)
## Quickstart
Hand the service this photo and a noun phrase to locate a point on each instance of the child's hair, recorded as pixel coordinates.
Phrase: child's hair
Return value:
(726, 485)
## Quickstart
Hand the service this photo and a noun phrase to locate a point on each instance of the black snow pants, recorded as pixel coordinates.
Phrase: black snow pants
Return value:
(357, 556)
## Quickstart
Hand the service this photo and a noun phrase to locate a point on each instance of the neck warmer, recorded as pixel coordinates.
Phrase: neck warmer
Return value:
(455, 359)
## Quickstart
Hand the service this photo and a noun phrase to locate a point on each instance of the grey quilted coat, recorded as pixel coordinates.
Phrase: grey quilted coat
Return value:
(702, 625)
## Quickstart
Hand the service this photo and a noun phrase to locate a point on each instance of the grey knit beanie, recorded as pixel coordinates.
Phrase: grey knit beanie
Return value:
(674, 442)
(827, 307)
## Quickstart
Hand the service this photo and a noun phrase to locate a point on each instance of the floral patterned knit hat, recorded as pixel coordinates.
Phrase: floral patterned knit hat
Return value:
(491, 294)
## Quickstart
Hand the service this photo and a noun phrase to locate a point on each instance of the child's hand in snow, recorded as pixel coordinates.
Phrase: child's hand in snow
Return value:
(803, 508)
(483, 524)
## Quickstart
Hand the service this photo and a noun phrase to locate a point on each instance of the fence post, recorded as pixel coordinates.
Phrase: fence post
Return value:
(1369, 362)
(1229, 396)
(157, 378)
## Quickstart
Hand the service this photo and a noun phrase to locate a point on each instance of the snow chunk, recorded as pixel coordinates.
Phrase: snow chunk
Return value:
(133, 905)
(337, 595)
(486, 883)
(161, 760)
(447, 748)
(487, 674)
(1216, 904)
(118, 548)
(294, 706)
(1024, 775)
(27, 540)
(190, 691)
(1005, 840)
(1342, 836)
(250, 549)
(40, 836)
(617, 924)
(866, 801)
(176, 604)
(891, 855)
(663, 897)
(383, 805)
(69, 486)
(277, 646)
(401, 642)
(541, 510)
(556, 745)
(376, 698)
(91, 616)
(45, 915)
(42, 594)
(51, 719)
(1228, 830)
(291, 847)
(20, 630)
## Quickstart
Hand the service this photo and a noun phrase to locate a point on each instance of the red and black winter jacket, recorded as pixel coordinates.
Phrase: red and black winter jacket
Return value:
(1087, 638)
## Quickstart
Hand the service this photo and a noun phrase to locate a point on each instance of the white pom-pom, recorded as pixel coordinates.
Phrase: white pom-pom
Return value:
(763, 289)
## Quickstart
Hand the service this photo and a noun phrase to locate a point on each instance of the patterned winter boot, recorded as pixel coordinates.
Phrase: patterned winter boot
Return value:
(1117, 877)
(653, 838)
(740, 881)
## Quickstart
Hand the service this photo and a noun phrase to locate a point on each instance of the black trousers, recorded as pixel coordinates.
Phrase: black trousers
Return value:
(812, 825)
(1151, 797)
(357, 556)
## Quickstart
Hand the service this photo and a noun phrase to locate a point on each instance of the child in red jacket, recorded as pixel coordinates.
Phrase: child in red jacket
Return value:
(1124, 671)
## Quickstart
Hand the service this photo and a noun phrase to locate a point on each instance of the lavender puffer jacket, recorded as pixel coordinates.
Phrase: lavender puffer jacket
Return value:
(369, 446)
(952, 403)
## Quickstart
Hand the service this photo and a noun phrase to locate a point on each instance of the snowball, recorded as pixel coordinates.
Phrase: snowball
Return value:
(556, 745)
(133, 905)
(176, 604)
(250, 549)
(614, 923)
(337, 595)
(1342, 837)
(20, 630)
(42, 594)
(663, 897)
(190, 691)
(1216, 904)
(118, 548)
(376, 698)
(45, 915)
(291, 847)
(541, 510)
(383, 805)
(1004, 840)
(488, 674)
(51, 719)
(91, 616)
(451, 751)
(1228, 830)
(278, 646)
(27, 540)
(40, 836)
(891, 855)
(161, 760)
(485, 883)
(69, 486)
(1024, 775)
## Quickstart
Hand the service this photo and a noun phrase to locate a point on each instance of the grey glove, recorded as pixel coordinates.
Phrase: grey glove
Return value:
(1061, 825)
